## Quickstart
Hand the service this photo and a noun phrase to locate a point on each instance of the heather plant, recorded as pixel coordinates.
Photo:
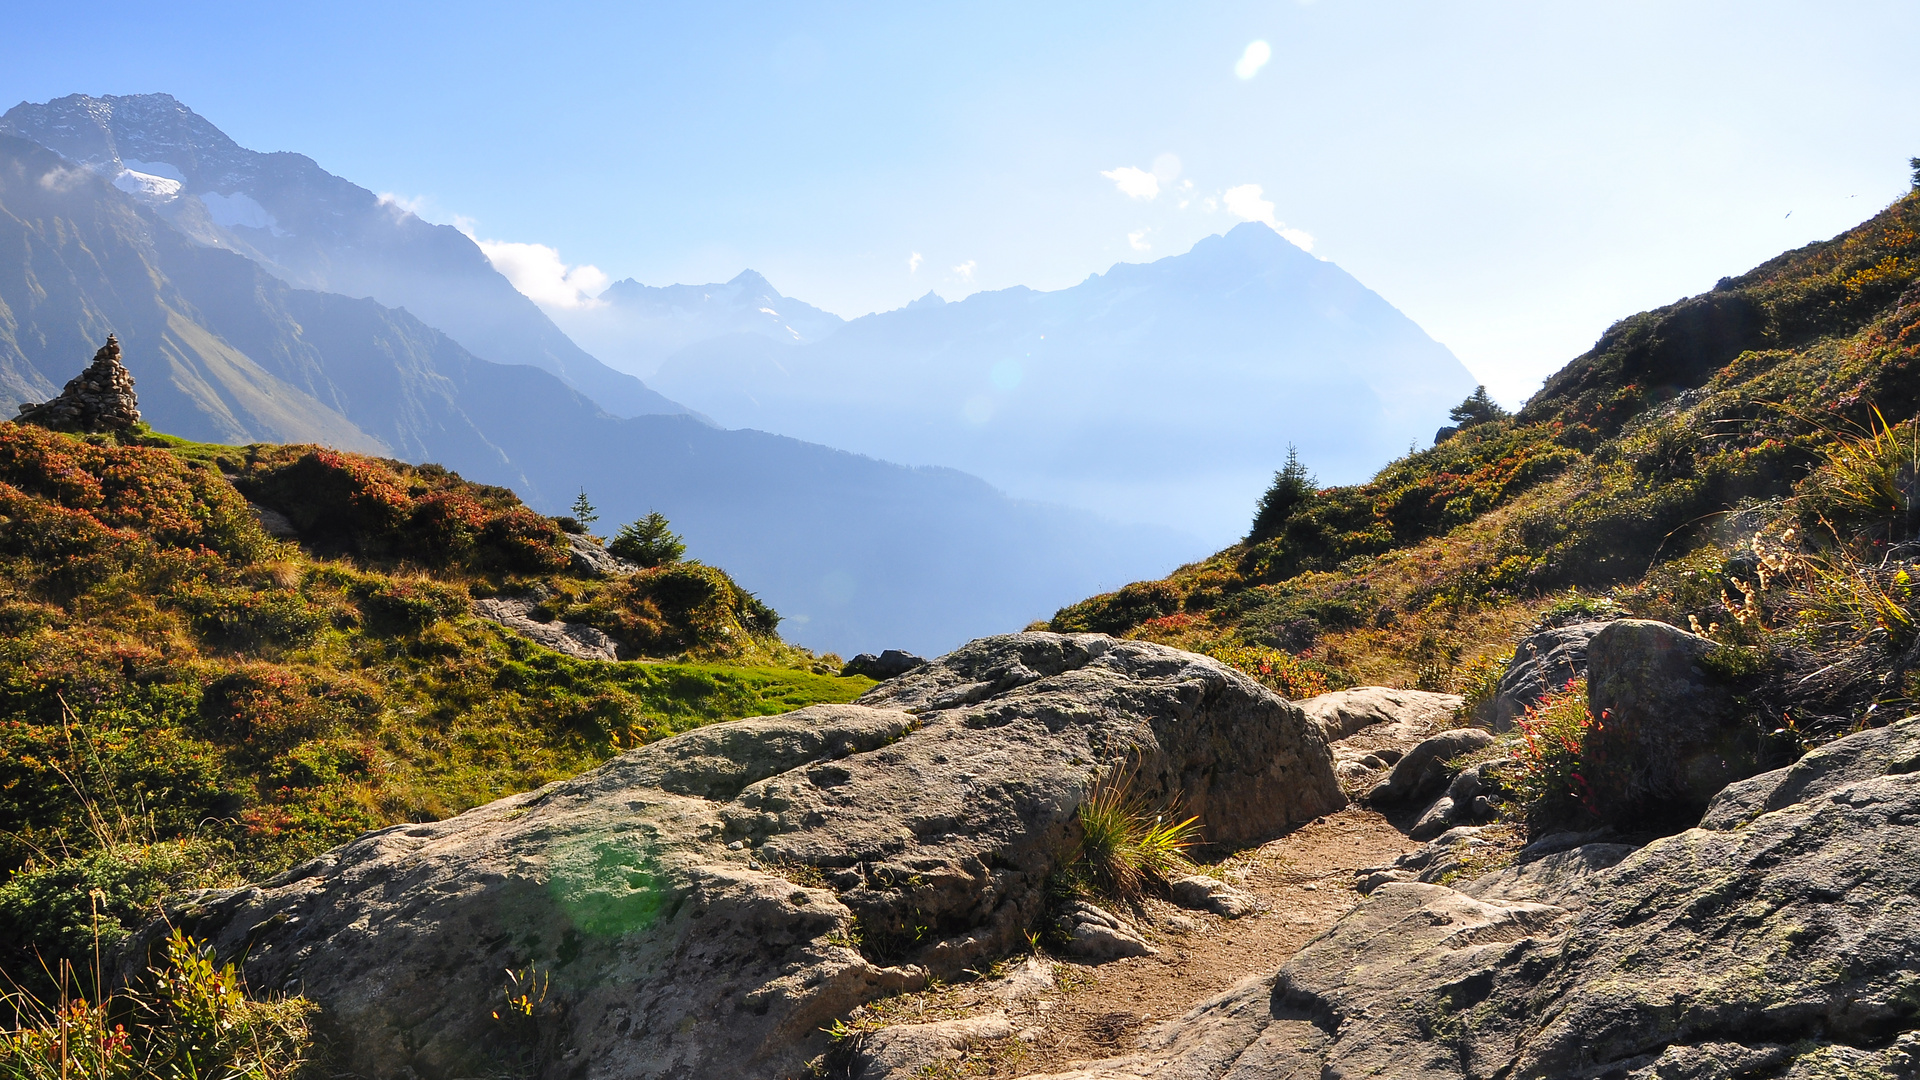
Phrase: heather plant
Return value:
(1548, 751)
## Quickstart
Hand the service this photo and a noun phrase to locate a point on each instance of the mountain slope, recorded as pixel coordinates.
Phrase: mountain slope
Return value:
(1740, 459)
(316, 231)
(859, 554)
(1166, 391)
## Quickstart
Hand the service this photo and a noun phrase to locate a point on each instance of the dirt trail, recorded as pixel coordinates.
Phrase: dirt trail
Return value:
(1306, 881)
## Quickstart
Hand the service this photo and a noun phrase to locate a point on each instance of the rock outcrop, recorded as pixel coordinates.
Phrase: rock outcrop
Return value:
(703, 906)
(592, 560)
(1672, 731)
(1544, 661)
(574, 639)
(1777, 939)
(1425, 770)
(890, 664)
(1343, 713)
(101, 398)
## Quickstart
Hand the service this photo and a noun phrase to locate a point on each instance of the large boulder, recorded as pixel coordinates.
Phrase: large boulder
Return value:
(1781, 941)
(1544, 661)
(1671, 727)
(1427, 769)
(703, 906)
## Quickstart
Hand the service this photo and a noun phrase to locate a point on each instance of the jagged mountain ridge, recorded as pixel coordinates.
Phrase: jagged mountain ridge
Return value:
(858, 553)
(316, 231)
(1163, 391)
(636, 327)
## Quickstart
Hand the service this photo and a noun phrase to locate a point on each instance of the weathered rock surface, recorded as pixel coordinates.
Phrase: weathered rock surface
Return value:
(573, 639)
(1342, 713)
(905, 1051)
(592, 560)
(1424, 771)
(1202, 893)
(1782, 941)
(694, 901)
(1094, 933)
(1672, 732)
(100, 398)
(1545, 660)
(889, 664)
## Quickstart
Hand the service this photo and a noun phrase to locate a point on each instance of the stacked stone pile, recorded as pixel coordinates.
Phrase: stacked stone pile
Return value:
(100, 398)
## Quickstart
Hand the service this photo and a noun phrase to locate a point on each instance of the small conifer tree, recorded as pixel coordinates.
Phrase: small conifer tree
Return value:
(1293, 487)
(583, 510)
(648, 542)
(1479, 408)
(1914, 164)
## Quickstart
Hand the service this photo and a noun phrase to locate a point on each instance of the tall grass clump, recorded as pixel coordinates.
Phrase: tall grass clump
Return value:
(1127, 845)
(1867, 482)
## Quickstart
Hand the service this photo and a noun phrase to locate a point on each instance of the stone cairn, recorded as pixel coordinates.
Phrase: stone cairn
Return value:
(100, 398)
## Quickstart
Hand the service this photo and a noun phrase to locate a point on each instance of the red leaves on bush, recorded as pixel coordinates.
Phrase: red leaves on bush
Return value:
(393, 511)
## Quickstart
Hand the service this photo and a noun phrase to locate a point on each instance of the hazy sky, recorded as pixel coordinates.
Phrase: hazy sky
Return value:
(1514, 176)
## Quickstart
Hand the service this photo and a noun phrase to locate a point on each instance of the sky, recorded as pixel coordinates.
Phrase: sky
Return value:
(1515, 176)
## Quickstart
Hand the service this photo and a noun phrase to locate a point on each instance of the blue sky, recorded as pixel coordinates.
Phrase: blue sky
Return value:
(1514, 176)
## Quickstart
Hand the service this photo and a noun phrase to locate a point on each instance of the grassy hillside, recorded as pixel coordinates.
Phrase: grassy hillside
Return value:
(1740, 458)
(185, 700)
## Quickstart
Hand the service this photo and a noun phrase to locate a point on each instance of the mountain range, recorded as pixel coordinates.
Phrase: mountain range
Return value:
(1155, 392)
(855, 552)
(315, 231)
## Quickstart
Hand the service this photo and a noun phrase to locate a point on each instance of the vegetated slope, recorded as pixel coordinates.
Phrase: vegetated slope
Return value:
(315, 231)
(185, 699)
(860, 554)
(1159, 391)
(1659, 473)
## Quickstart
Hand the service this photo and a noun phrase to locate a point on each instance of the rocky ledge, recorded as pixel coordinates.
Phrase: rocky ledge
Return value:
(1776, 939)
(705, 905)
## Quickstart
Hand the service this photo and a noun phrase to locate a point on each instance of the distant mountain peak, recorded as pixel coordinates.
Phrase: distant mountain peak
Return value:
(752, 279)
(931, 299)
(127, 131)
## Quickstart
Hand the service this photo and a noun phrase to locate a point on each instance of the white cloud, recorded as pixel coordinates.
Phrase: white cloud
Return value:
(1137, 239)
(62, 179)
(913, 263)
(965, 270)
(1255, 58)
(1134, 183)
(405, 204)
(537, 271)
(1247, 202)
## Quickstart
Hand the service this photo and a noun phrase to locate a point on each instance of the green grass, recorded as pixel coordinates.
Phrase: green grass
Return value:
(186, 701)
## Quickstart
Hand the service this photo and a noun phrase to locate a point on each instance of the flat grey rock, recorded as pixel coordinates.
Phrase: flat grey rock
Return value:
(1343, 713)
(1202, 893)
(704, 905)
(574, 639)
(904, 1051)
(1093, 933)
